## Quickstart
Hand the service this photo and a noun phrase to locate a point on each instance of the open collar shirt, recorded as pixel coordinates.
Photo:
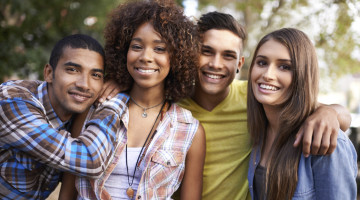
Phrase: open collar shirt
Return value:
(35, 145)
(164, 160)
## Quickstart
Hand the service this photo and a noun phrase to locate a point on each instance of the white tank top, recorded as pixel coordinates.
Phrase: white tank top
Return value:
(118, 183)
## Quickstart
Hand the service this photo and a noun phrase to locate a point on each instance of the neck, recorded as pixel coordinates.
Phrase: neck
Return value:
(147, 97)
(209, 101)
(272, 115)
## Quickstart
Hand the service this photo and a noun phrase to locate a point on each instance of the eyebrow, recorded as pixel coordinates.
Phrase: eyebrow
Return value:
(282, 60)
(226, 51)
(79, 66)
(140, 40)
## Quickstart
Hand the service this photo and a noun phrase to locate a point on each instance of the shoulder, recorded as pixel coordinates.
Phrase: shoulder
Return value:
(344, 157)
(339, 168)
(117, 103)
(187, 103)
(21, 91)
(239, 88)
(181, 115)
(239, 84)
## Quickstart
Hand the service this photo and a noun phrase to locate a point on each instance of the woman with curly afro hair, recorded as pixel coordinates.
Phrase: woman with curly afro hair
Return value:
(151, 50)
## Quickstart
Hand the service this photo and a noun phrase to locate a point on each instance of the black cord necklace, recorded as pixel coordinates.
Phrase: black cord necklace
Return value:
(130, 191)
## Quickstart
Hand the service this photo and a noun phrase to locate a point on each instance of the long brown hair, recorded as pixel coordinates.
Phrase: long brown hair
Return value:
(282, 166)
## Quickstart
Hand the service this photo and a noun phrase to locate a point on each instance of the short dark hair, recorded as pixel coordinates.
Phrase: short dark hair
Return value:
(220, 21)
(76, 41)
(176, 30)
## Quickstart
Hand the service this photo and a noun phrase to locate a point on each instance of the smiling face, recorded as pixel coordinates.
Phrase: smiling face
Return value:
(76, 82)
(219, 60)
(271, 75)
(148, 59)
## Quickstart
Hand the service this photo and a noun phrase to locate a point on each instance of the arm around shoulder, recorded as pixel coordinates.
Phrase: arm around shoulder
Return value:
(335, 175)
(191, 188)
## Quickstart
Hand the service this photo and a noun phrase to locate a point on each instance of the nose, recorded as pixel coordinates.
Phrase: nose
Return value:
(147, 55)
(270, 72)
(215, 62)
(82, 82)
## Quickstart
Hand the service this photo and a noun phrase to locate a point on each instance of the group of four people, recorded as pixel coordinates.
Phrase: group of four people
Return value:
(182, 127)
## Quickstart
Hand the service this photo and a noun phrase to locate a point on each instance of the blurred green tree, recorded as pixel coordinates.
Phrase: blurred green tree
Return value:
(29, 29)
(329, 23)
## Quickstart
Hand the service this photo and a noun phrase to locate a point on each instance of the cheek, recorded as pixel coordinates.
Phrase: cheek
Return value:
(203, 60)
(287, 79)
(97, 86)
(130, 57)
(254, 74)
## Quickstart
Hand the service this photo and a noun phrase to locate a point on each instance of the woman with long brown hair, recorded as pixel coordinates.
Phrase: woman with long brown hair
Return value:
(282, 93)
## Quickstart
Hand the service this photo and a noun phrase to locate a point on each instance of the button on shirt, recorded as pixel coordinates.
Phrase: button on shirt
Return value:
(35, 147)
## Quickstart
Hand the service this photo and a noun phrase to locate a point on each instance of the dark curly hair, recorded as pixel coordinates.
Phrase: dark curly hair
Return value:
(176, 30)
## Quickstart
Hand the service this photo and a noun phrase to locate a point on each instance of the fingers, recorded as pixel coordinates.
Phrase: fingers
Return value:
(298, 137)
(108, 91)
(317, 131)
(333, 141)
(325, 142)
(307, 139)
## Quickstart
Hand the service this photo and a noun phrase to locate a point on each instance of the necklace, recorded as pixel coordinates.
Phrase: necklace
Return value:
(144, 114)
(130, 191)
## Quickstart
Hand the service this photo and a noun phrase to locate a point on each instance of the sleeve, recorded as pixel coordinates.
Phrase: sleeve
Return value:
(24, 127)
(335, 175)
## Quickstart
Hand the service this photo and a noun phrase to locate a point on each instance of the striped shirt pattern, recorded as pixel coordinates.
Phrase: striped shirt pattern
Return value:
(35, 146)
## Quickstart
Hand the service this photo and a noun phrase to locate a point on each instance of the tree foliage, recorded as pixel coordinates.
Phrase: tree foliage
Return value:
(328, 25)
(29, 29)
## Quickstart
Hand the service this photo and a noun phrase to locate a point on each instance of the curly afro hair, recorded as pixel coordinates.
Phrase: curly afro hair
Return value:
(176, 30)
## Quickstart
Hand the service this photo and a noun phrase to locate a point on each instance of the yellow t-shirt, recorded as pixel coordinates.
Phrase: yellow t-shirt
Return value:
(228, 145)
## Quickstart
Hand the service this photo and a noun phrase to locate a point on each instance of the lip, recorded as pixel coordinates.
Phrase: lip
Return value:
(146, 70)
(80, 96)
(212, 77)
(267, 88)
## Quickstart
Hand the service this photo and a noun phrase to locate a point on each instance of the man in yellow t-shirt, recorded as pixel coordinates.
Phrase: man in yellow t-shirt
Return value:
(219, 103)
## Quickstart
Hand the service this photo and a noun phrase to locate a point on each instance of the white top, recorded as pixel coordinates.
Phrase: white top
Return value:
(118, 183)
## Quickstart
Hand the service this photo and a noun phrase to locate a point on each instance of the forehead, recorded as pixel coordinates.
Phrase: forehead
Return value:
(274, 49)
(84, 57)
(222, 40)
(147, 30)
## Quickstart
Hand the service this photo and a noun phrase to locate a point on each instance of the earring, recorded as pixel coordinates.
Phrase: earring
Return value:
(237, 71)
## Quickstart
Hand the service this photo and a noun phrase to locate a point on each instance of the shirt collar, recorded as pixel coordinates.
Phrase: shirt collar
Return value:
(43, 96)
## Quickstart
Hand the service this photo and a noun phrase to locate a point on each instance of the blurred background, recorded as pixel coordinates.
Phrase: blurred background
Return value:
(29, 29)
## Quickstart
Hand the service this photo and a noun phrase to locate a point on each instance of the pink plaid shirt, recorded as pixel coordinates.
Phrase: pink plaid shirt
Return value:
(164, 160)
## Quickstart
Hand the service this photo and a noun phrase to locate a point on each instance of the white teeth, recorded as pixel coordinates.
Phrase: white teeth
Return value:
(146, 70)
(213, 76)
(268, 87)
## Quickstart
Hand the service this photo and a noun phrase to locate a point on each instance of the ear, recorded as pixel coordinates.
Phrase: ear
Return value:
(48, 73)
(241, 62)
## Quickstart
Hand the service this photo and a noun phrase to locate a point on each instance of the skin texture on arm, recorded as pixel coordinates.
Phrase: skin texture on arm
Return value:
(191, 186)
(320, 130)
(68, 190)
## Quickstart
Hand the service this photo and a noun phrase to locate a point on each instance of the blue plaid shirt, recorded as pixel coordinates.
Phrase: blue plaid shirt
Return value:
(35, 146)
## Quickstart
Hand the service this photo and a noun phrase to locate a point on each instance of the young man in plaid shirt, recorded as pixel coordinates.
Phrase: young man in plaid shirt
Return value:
(35, 145)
